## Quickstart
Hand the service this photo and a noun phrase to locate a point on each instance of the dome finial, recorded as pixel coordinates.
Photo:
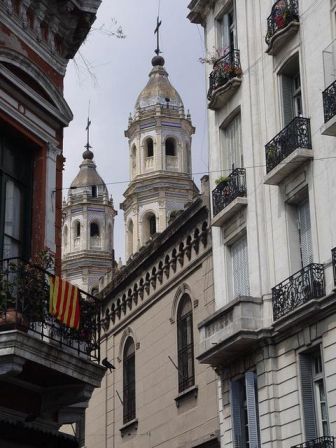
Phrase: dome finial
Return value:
(158, 60)
(88, 154)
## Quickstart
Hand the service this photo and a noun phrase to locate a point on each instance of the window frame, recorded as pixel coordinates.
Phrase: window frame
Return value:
(185, 344)
(129, 381)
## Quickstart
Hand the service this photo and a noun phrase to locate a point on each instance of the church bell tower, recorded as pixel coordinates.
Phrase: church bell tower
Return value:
(159, 135)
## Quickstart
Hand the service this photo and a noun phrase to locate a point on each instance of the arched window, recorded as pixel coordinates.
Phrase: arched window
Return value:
(149, 148)
(94, 191)
(77, 229)
(170, 147)
(185, 344)
(94, 229)
(152, 225)
(129, 381)
(133, 159)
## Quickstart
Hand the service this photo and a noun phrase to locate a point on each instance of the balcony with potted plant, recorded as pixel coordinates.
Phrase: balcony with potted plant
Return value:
(282, 23)
(224, 79)
(288, 150)
(229, 197)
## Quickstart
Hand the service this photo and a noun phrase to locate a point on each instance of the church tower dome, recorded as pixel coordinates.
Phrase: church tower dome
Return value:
(88, 226)
(159, 135)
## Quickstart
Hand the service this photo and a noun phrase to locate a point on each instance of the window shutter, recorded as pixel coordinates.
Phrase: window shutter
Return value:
(235, 397)
(305, 233)
(225, 37)
(233, 145)
(287, 98)
(308, 404)
(252, 409)
(240, 268)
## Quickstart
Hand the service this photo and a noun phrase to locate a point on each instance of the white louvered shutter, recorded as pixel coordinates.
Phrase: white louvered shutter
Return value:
(287, 99)
(308, 403)
(233, 145)
(252, 409)
(240, 268)
(236, 408)
(305, 233)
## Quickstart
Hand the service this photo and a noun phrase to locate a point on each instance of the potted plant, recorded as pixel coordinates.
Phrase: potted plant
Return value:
(222, 180)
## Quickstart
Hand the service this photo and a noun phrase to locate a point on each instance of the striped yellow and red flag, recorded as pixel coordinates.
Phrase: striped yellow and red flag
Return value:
(64, 302)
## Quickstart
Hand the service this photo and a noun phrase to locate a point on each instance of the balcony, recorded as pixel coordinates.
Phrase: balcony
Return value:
(231, 331)
(320, 442)
(333, 257)
(288, 150)
(149, 163)
(329, 106)
(24, 306)
(300, 288)
(225, 79)
(282, 23)
(229, 197)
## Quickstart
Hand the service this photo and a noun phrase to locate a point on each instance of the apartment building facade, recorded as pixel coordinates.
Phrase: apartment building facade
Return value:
(271, 113)
(48, 370)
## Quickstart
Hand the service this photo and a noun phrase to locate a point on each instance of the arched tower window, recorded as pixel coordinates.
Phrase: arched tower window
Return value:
(130, 238)
(77, 229)
(94, 229)
(170, 147)
(185, 344)
(152, 225)
(129, 381)
(149, 148)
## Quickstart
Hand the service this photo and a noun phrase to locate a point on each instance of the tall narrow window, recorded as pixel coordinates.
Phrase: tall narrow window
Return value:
(227, 35)
(231, 145)
(314, 403)
(291, 90)
(185, 344)
(240, 272)
(129, 381)
(304, 232)
(149, 148)
(78, 229)
(152, 225)
(245, 412)
(94, 229)
(94, 191)
(13, 219)
(130, 238)
(170, 147)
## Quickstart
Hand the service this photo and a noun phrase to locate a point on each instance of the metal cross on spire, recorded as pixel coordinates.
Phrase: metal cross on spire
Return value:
(88, 146)
(157, 32)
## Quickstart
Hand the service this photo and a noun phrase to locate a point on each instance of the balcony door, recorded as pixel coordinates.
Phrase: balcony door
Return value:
(304, 231)
(231, 143)
(227, 31)
(15, 196)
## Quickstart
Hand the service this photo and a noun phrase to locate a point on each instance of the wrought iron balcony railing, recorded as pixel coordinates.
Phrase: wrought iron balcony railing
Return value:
(300, 288)
(224, 69)
(24, 305)
(295, 135)
(333, 257)
(283, 13)
(229, 189)
(329, 102)
(320, 442)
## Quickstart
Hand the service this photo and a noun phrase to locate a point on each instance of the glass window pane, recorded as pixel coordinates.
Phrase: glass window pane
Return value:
(13, 207)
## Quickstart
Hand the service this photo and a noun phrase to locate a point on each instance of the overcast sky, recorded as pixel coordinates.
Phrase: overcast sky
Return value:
(121, 67)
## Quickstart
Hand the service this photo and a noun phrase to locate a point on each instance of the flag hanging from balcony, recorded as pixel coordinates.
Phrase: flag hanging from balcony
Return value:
(64, 302)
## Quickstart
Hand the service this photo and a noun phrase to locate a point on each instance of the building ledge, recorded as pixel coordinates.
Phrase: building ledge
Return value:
(231, 331)
(279, 39)
(223, 93)
(191, 391)
(291, 163)
(329, 128)
(132, 425)
(18, 348)
(229, 211)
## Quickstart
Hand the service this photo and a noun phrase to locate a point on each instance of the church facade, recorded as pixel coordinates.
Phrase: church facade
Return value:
(156, 393)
